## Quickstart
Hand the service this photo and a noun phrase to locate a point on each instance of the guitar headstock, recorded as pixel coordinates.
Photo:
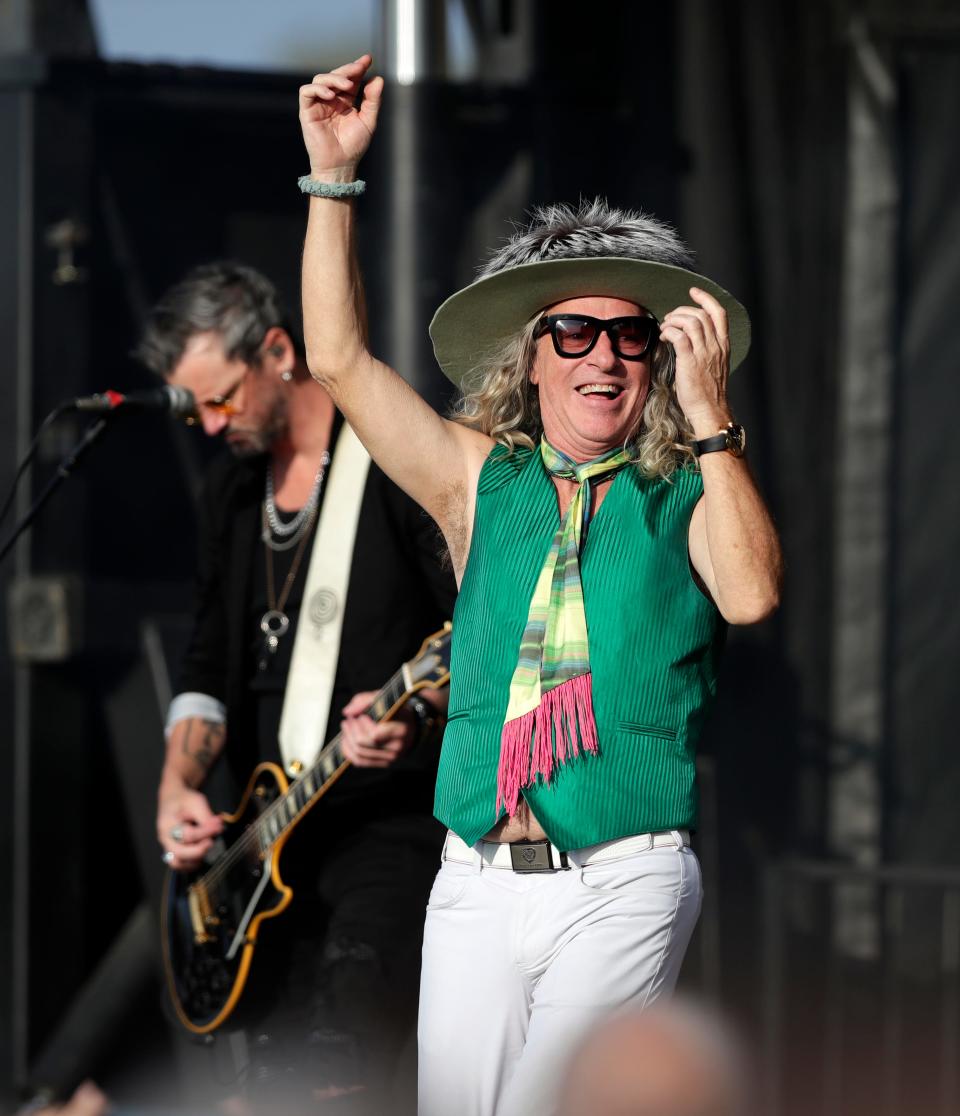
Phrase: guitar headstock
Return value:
(431, 664)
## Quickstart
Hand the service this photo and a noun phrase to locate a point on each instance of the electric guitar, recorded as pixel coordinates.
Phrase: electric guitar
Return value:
(210, 918)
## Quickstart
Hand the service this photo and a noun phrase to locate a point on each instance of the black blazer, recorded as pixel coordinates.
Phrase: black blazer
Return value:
(399, 592)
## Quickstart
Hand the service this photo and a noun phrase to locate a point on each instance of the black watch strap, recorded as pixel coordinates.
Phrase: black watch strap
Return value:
(711, 445)
(732, 438)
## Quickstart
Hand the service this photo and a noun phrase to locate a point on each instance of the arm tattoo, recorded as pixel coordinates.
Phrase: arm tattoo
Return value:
(205, 750)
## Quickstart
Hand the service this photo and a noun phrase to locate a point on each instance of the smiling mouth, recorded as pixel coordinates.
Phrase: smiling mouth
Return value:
(607, 391)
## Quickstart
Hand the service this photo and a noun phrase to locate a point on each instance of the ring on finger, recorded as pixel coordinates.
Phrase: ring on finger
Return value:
(176, 834)
(168, 857)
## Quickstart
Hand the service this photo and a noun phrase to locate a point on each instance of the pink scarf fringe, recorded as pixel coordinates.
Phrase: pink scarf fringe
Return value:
(557, 716)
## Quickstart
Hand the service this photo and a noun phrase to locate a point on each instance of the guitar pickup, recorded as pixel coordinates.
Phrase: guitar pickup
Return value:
(200, 919)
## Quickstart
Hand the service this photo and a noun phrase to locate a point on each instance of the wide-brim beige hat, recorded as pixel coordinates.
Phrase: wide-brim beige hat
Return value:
(475, 321)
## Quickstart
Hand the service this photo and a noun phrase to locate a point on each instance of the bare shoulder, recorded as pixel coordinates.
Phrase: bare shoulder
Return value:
(477, 447)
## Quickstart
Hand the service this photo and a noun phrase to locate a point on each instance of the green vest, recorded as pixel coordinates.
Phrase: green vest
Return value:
(654, 638)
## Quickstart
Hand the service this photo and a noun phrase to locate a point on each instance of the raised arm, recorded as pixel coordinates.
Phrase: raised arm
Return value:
(733, 543)
(437, 462)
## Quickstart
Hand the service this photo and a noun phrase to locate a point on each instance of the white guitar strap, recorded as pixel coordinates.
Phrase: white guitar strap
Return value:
(316, 647)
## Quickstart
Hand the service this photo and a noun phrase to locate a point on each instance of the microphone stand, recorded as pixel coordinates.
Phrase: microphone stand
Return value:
(64, 471)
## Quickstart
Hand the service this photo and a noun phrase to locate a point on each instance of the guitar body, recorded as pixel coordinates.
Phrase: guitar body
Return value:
(210, 918)
(210, 929)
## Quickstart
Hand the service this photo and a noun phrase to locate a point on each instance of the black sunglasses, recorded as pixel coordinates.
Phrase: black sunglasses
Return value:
(574, 335)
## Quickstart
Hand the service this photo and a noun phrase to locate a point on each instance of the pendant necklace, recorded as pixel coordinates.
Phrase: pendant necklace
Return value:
(275, 623)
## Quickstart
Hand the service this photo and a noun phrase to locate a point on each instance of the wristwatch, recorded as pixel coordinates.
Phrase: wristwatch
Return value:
(732, 438)
(427, 717)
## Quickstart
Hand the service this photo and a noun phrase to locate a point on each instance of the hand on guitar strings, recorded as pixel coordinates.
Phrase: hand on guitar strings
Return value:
(367, 743)
(186, 826)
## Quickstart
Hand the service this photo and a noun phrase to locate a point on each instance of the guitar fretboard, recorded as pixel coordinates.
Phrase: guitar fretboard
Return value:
(315, 780)
(432, 669)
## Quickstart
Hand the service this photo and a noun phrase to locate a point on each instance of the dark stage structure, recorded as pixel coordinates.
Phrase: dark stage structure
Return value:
(808, 153)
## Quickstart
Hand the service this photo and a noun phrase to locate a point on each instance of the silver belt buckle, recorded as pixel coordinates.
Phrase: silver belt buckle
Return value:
(532, 856)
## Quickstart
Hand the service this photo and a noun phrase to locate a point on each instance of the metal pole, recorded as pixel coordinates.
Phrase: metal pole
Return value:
(862, 513)
(412, 53)
(20, 931)
(30, 30)
(771, 931)
(414, 40)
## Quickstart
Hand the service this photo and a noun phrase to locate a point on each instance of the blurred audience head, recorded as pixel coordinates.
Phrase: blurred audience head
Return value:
(675, 1059)
(87, 1100)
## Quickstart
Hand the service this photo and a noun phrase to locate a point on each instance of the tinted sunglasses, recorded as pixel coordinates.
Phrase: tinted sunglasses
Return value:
(223, 404)
(574, 335)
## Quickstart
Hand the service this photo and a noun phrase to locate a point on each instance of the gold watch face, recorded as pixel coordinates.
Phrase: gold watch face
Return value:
(736, 438)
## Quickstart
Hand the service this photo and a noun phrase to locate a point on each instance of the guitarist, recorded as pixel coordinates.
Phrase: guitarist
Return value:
(333, 982)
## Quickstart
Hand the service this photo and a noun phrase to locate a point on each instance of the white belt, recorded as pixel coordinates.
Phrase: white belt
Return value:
(502, 854)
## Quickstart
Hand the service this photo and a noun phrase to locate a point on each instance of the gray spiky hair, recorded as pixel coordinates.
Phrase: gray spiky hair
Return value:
(593, 228)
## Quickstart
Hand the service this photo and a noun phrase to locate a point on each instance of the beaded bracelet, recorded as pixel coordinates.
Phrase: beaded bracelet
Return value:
(331, 189)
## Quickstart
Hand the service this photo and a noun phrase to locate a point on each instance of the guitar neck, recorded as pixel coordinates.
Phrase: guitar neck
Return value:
(313, 783)
(430, 667)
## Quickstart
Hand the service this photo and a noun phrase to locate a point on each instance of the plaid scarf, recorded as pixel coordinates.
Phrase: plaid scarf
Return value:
(550, 690)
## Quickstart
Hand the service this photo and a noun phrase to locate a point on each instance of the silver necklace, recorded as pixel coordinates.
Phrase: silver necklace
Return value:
(275, 623)
(289, 534)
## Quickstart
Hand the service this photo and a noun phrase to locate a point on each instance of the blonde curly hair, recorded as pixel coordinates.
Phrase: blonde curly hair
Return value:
(497, 395)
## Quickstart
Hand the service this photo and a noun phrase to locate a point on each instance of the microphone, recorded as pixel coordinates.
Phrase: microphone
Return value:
(176, 401)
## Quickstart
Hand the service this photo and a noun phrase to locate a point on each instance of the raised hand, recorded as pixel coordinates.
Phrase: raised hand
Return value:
(698, 335)
(336, 133)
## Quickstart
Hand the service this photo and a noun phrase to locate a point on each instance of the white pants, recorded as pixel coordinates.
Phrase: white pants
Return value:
(516, 968)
